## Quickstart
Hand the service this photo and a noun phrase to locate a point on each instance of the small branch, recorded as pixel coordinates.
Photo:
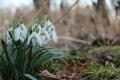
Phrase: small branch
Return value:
(64, 14)
(73, 39)
(67, 11)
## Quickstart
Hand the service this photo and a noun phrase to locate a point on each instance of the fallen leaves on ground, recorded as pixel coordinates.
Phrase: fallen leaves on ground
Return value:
(72, 71)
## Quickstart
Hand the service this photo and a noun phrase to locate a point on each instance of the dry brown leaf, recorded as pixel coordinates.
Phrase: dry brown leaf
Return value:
(77, 66)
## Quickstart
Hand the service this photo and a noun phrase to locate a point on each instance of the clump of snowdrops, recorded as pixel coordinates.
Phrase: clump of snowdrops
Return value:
(25, 50)
(40, 33)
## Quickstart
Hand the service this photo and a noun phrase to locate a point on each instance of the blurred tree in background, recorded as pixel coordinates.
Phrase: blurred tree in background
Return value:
(42, 6)
(102, 10)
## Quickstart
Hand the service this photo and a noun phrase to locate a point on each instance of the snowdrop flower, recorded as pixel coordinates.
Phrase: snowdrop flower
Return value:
(9, 39)
(51, 30)
(20, 33)
(36, 28)
(44, 35)
(35, 38)
(22, 26)
(48, 24)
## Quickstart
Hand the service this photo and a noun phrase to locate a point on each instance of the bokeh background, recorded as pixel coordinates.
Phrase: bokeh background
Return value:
(77, 22)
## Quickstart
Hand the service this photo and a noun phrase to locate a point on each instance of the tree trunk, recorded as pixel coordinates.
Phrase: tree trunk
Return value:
(42, 6)
(102, 10)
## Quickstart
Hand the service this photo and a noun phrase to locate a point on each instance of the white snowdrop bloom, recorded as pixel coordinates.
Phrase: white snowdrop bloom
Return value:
(23, 28)
(20, 33)
(48, 24)
(35, 38)
(45, 34)
(43, 38)
(51, 30)
(36, 28)
(17, 33)
(23, 34)
(9, 39)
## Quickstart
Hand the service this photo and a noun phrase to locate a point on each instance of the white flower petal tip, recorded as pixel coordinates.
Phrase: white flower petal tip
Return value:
(20, 33)
(23, 28)
(17, 34)
(35, 38)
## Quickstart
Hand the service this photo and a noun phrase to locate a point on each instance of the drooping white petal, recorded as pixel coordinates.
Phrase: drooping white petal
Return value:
(45, 33)
(51, 30)
(20, 33)
(48, 24)
(23, 35)
(47, 36)
(17, 33)
(43, 38)
(32, 38)
(23, 28)
(35, 38)
(34, 41)
(23, 32)
(39, 41)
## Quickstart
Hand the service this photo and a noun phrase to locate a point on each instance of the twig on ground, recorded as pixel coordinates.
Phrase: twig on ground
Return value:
(73, 39)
